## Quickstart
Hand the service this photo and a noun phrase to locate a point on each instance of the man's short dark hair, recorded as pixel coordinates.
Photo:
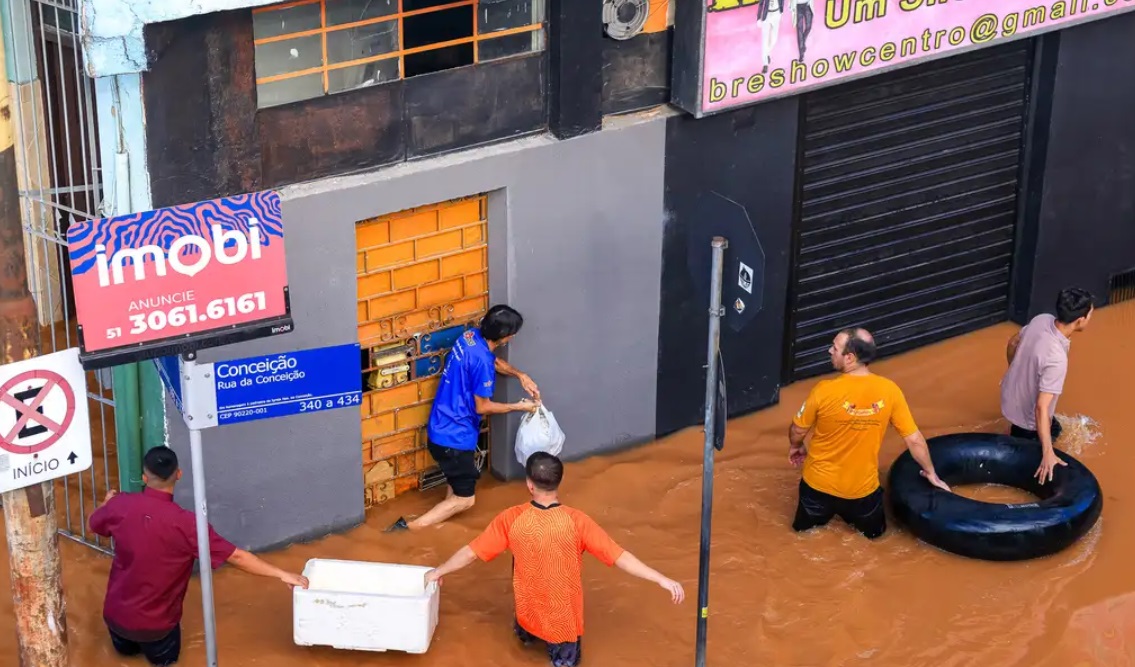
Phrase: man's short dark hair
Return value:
(1072, 304)
(500, 323)
(161, 462)
(545, 471)
(861, 344)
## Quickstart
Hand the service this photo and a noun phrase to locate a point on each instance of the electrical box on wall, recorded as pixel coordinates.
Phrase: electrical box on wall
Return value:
(391, 366)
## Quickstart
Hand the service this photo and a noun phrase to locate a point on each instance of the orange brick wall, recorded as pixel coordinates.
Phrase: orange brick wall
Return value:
(418, 271)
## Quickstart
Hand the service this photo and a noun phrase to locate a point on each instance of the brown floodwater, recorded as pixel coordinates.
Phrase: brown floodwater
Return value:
(995, 493)
(828, 597)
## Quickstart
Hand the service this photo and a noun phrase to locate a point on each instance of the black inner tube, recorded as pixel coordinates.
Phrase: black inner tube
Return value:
(1066, 508)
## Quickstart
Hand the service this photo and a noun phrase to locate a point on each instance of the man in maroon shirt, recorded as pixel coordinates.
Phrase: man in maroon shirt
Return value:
(155, 545)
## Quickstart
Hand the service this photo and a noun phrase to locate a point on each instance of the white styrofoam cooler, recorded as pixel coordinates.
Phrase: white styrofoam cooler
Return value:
(365, 607)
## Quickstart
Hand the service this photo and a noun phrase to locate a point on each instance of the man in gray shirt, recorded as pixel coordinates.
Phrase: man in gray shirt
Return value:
(1038, 363)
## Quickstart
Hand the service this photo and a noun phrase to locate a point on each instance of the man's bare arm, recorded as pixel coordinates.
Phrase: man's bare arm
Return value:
(504, 368)
(796, 435)
(487, 406)
(635, 567)
(797, 450)
(1049, 459)
(916, 443)
(464, 557)
(253, 564)
(1043, 416)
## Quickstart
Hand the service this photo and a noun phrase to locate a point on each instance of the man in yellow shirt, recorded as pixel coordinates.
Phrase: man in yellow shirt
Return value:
(850, 415)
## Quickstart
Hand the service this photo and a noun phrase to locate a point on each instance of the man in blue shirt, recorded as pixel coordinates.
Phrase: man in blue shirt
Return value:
(464, 395)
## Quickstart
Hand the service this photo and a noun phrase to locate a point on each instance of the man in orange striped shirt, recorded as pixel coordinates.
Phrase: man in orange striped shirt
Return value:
(548, 541)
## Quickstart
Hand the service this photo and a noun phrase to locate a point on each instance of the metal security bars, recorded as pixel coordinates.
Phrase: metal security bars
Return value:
(1122, 287)
(908, 203)
(53, 102)
(310, 48)
(422, 283)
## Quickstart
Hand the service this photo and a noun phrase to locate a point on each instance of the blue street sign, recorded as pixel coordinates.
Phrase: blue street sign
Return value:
(325, 378)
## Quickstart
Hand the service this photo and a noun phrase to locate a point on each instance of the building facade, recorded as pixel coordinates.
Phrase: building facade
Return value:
(435, 157)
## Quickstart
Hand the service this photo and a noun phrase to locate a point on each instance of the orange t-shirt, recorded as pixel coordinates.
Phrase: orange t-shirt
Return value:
(547, 545)
(850, 414)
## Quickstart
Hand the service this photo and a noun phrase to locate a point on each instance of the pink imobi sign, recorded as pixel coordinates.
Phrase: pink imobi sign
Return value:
(179, 278)
(757, 50)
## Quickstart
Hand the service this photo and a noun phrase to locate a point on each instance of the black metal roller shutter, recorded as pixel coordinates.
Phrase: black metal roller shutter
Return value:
(908, 204)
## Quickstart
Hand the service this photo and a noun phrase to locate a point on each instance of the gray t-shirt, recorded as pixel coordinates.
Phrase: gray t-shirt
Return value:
(1040, 365)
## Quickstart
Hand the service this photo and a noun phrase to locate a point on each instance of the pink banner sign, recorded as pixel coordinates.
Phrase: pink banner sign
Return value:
(756, 50)
(179, 279)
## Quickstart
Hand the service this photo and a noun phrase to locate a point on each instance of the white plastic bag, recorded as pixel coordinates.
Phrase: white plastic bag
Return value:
(538, 432)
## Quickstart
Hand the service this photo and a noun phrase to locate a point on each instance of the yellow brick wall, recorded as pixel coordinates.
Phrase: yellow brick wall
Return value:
(419, 271)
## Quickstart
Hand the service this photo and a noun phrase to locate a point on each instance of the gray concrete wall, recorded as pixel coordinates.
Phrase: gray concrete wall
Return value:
(575, 243)
(276, 481)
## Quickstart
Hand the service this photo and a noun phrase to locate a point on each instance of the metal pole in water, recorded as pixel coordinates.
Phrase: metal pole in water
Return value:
(201, 510)
(716, 312)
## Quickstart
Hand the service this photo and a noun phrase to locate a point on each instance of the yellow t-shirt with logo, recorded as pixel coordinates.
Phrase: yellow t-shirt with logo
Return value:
(850, 415)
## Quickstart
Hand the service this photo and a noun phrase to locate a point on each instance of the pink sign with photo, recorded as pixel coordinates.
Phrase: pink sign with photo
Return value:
(761, 49)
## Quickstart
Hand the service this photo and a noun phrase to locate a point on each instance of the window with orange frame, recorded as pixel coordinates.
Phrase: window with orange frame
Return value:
(310, 48)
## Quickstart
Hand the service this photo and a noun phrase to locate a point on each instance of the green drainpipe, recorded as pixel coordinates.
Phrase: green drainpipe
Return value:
(139, 418)
(153, 407)
(128, 427)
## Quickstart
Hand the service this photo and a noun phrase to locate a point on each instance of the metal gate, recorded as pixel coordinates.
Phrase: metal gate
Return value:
(57, 155)
(909, 204)
(422, 283)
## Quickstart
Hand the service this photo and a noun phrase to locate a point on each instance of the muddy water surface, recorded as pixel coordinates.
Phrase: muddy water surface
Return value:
(824, 598)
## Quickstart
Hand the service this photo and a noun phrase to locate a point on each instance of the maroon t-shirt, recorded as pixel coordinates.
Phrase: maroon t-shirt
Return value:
(155, 544)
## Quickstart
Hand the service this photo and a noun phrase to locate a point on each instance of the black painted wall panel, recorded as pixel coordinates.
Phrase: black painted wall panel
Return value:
(685, 79)
(335, 134)
(575, 59)
(232, 92)
(206, 138)
(636, 72)
(180, 147)
(747, 157)
(1087, 211)
(469, 106)
(1033, 155)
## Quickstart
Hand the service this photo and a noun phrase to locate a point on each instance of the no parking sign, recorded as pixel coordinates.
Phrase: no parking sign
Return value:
(44, 420)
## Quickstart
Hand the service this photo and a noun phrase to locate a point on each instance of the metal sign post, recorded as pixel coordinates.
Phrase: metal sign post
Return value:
(201, 512)
(227, 392)
(716, 312)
